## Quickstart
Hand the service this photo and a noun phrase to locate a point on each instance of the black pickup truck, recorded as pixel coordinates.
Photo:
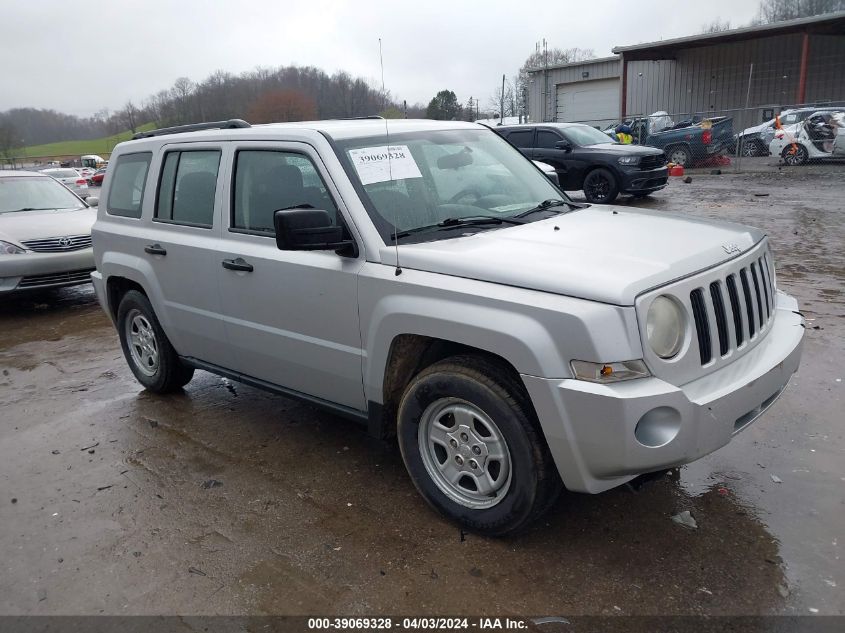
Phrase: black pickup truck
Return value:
(587, 159)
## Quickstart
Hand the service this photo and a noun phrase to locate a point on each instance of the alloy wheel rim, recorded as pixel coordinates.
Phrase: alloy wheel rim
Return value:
(143, 345)
(599, 187)
(465, 453)
(679, 157)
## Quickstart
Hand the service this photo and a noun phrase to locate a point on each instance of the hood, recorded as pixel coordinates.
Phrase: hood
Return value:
(600, 253)
(756, 129)
(29, 225)
(624, 150)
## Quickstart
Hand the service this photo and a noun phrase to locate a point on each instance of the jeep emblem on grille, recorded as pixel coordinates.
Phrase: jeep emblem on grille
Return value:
(64, 242)
(730, 247)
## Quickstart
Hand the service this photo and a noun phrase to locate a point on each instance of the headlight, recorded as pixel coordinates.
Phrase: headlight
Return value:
(10, 249)
(665, 326)
(629, 160)
(609, 372)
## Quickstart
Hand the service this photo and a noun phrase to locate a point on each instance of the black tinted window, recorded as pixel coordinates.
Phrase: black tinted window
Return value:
(521, 138)
(266, 181)
(187, 186)
(547, 139)
(128, 179)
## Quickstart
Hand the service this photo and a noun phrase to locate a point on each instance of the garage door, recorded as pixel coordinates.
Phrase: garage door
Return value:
(592, 102)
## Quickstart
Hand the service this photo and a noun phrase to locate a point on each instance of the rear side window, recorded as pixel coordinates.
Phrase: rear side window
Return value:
(266, 181)
(546, 139)
(127, 185)
(187, 186)
(521, 138)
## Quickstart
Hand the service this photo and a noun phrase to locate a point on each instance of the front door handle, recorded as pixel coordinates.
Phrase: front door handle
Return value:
(155, 249)
(237, 264)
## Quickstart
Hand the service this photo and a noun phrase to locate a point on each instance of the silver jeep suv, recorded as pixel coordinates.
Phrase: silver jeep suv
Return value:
(426, 279)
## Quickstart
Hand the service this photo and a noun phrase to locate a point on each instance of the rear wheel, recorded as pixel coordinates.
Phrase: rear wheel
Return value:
(751, 148)
(149, 353)
(600, 187)
(795, 154)
(472, 448)
(679, 155)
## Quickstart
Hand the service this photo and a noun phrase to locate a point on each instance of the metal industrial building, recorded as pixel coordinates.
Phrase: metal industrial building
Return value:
(766, 67)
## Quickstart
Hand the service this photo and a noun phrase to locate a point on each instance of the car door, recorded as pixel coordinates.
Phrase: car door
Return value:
(566, 163)
(181, 245)
(523, 139)
(291, 316)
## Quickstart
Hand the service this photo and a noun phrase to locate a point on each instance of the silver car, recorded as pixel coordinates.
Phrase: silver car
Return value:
(428, 280)
(71, 179)
(45, 233)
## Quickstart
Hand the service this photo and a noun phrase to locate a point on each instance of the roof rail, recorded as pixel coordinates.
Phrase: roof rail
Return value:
(361, 118)
(193, 127)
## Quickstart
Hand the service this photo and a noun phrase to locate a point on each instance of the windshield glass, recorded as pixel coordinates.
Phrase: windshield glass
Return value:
(584, 135)
(35, 192)
(435, 175)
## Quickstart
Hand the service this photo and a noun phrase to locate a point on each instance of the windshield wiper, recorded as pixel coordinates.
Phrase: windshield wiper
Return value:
(450, 223)
(548, 204)
(31, 209)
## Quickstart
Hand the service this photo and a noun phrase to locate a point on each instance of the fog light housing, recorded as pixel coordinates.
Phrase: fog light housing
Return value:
(658, 427)
(609, 372)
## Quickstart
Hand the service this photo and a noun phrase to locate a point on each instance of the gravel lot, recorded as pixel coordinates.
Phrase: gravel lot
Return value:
(227, 500)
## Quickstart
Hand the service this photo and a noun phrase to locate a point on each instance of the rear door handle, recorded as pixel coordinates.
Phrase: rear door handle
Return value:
(155, 249)
(237, 264)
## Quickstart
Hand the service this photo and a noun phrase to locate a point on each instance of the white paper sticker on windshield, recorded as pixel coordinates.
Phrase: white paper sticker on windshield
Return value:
(381, 164)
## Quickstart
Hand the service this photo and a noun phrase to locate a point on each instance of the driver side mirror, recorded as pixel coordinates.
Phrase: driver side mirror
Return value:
(566, 146)
(92, 201)
(310, 230)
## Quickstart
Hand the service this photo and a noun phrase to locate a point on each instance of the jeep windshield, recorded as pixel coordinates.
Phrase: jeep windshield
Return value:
(436, 184)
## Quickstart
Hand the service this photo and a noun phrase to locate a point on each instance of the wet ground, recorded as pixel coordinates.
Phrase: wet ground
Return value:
(227, 500)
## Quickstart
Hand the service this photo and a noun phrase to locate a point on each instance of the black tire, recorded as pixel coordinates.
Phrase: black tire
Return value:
(600, 186)
(679, 154)
(533, 482)
(799, 157)
(169, 373)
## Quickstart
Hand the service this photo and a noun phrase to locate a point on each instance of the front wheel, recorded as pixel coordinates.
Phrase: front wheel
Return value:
(600, 187)
(472, 448)
(149, 353)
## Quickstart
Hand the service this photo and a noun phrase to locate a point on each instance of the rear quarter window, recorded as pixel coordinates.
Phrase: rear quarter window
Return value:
(521, 138)
(126, 192)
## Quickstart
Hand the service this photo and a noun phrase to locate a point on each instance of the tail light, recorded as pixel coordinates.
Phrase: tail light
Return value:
(707, 137)
(81, 181)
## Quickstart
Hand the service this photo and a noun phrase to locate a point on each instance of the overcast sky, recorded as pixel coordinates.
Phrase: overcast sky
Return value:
(79, 57)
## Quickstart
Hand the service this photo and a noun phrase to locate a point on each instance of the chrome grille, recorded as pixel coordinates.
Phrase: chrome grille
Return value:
(745, 300)
(56, 279)
(58, 244)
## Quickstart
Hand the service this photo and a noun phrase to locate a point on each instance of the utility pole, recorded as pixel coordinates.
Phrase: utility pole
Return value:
(502, 104)
(405, 107)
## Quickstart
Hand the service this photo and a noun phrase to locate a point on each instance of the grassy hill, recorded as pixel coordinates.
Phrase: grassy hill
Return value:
(103, 145)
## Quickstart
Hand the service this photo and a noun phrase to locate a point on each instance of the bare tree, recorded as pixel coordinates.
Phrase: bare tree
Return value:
(716, 26)
(779, 10)
(9, 140)
(541, 58)
(129, 114)
(283, 105)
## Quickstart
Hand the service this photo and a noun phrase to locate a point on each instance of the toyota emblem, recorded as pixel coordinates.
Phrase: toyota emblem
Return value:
(64, 242)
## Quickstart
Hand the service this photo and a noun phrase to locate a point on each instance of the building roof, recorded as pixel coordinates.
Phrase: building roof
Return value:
(586, 62)
(827, 24)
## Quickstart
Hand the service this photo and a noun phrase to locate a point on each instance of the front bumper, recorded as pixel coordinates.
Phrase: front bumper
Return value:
(31, 271)
(592, 431)
(644, 180)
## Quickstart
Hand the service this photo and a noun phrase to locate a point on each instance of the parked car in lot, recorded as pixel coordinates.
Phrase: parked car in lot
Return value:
(683, 142)
(71, 179)
(586, 159)
(97, 177)
(45, 233)
(820, 136)
(427, 279)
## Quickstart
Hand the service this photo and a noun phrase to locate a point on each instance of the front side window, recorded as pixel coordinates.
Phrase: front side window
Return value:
(127, 185)
(425, 178)
(187, 186)
(547, 140)
(267, 181)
